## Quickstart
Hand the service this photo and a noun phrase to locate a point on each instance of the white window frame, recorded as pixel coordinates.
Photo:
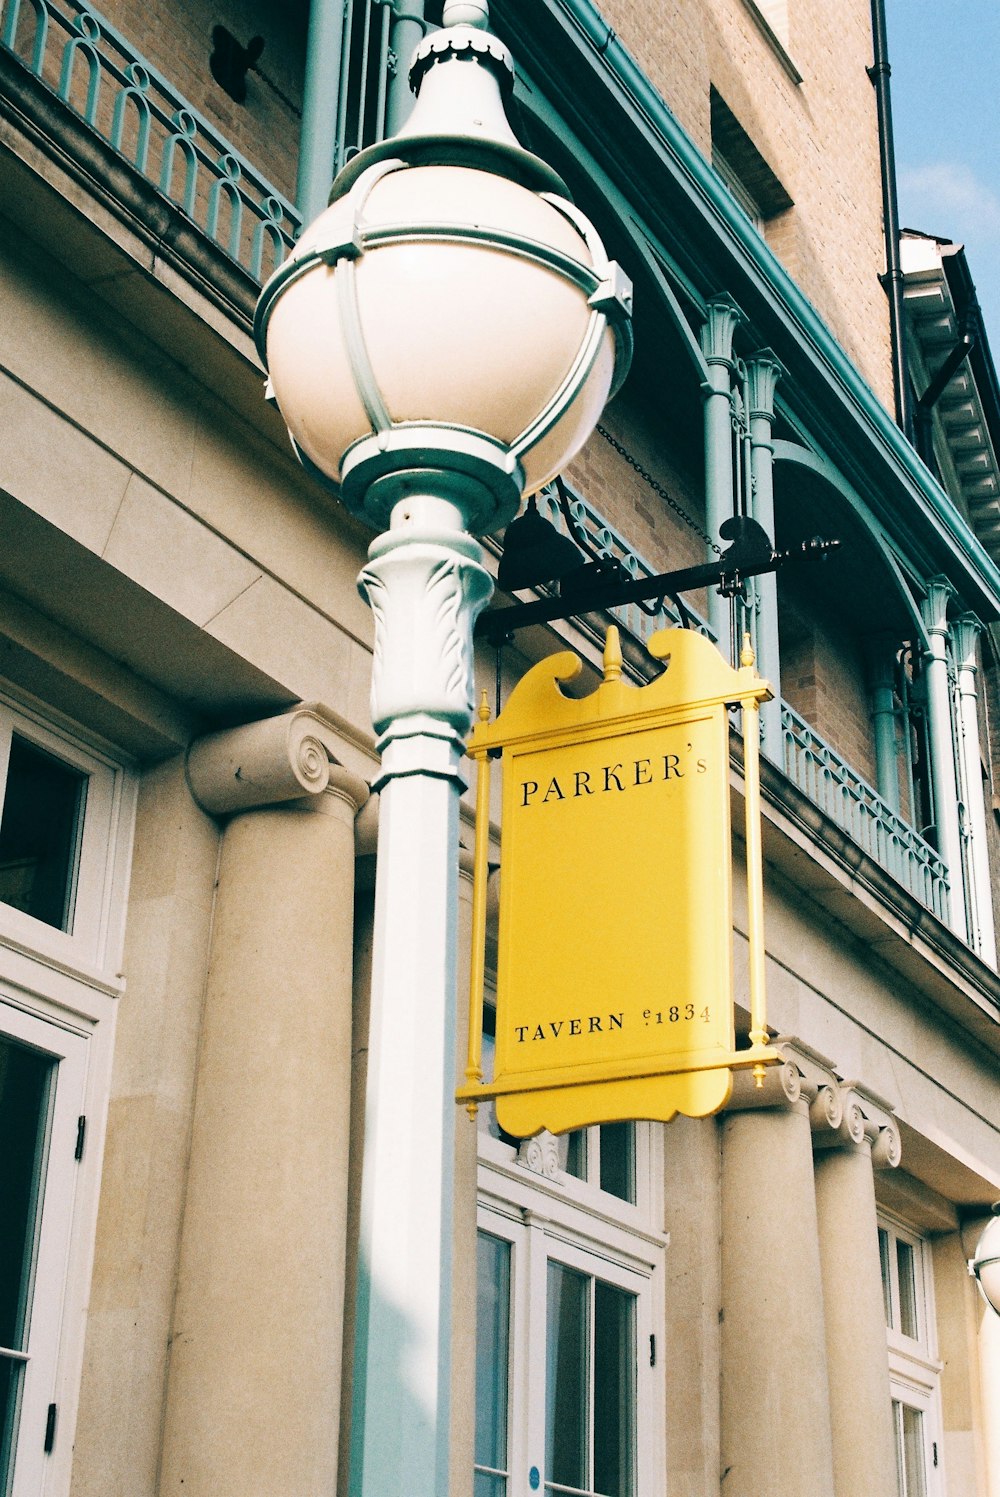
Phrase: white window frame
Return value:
(93, 943)
(914, 1366)
(60, 1170)
(557, 1216)
(59, 992)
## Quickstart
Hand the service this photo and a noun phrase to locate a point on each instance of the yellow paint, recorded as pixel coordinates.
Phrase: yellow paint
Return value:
(614, 981)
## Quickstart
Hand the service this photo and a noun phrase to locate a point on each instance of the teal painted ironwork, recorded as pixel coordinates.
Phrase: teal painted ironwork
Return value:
(836, 377)
(367, 67)
(858, 809)
(40, 32)
(73, 50)
(139, 81)
(318, 137)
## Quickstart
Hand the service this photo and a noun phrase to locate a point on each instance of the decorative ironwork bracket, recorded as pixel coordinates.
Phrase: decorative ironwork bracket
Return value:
(598, 586)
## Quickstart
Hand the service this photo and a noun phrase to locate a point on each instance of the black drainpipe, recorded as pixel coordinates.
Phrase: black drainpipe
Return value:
(893, 281)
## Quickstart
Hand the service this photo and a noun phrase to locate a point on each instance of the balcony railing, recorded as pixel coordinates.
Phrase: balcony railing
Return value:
(97, 73)
(860, 811)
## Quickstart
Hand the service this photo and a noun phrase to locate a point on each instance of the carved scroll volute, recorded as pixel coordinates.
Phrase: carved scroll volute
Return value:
(540, 1154)
(269, 762)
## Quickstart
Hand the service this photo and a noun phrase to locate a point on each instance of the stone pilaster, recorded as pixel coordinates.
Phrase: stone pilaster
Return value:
(859, 1135)
(775, 1393)
(260, 1285)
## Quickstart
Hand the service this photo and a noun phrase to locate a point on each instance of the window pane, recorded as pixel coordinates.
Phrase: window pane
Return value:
(24, 1097)
(897, 1429)
(39, 834)
(911, 1446)
(24, 1087)
(573, 1153)
(907, 1271)
(10, 1391)
(618, 1160)
(566, 1377)
(492, 1362)
(614, 1390)
(485, 1484)
(883, 1253)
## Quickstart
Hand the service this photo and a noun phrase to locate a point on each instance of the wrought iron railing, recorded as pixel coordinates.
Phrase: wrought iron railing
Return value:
(821, 774)
(98, 73)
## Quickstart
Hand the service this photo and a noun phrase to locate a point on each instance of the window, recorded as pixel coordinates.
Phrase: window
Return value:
(569, 1390)
(40, 830)
(61, 807)
(567, 1385)
(742, 167)
(42, 1075)
(65, 836)
(914, 1370)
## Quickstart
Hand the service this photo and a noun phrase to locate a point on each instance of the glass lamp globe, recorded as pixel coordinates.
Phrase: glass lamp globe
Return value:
(450, 311)
(986, 1264)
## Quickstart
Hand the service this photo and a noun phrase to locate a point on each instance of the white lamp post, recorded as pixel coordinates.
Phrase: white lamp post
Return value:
(441, 341)
(986, 1263)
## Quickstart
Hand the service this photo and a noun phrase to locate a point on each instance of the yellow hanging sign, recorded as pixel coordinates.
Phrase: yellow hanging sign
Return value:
(614, 969)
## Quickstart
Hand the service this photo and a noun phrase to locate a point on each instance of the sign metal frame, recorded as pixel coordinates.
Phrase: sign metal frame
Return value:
(538, 724)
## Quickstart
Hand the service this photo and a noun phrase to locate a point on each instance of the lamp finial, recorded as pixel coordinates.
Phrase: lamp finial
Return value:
(466, 13)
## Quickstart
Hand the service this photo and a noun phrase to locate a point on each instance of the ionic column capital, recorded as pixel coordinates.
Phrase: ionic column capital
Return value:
(860, 1117)
(270, 762)
(802, 1079)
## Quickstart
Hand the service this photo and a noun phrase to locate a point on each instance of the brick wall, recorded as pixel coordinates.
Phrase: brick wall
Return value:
(819, 137)
(823, 678)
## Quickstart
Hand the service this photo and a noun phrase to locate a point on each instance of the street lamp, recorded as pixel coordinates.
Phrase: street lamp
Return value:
(440, 342)
(986, 1263)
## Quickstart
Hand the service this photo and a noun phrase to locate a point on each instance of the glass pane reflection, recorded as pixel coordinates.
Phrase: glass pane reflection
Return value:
(614, 1390)
(906, 1265)
(492, 1363)
(618, 1160)
(567, 1378)
(25, 1080)
(39, 834)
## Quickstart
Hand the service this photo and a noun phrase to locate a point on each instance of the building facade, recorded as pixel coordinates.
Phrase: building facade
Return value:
(773, 1298)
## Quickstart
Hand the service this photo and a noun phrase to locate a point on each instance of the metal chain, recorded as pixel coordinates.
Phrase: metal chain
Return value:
(658, 488)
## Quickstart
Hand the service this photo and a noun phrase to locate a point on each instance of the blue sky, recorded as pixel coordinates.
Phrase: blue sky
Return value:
(945, 59)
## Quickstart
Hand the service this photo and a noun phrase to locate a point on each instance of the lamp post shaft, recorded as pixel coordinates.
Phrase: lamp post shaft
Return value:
(426, 584)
